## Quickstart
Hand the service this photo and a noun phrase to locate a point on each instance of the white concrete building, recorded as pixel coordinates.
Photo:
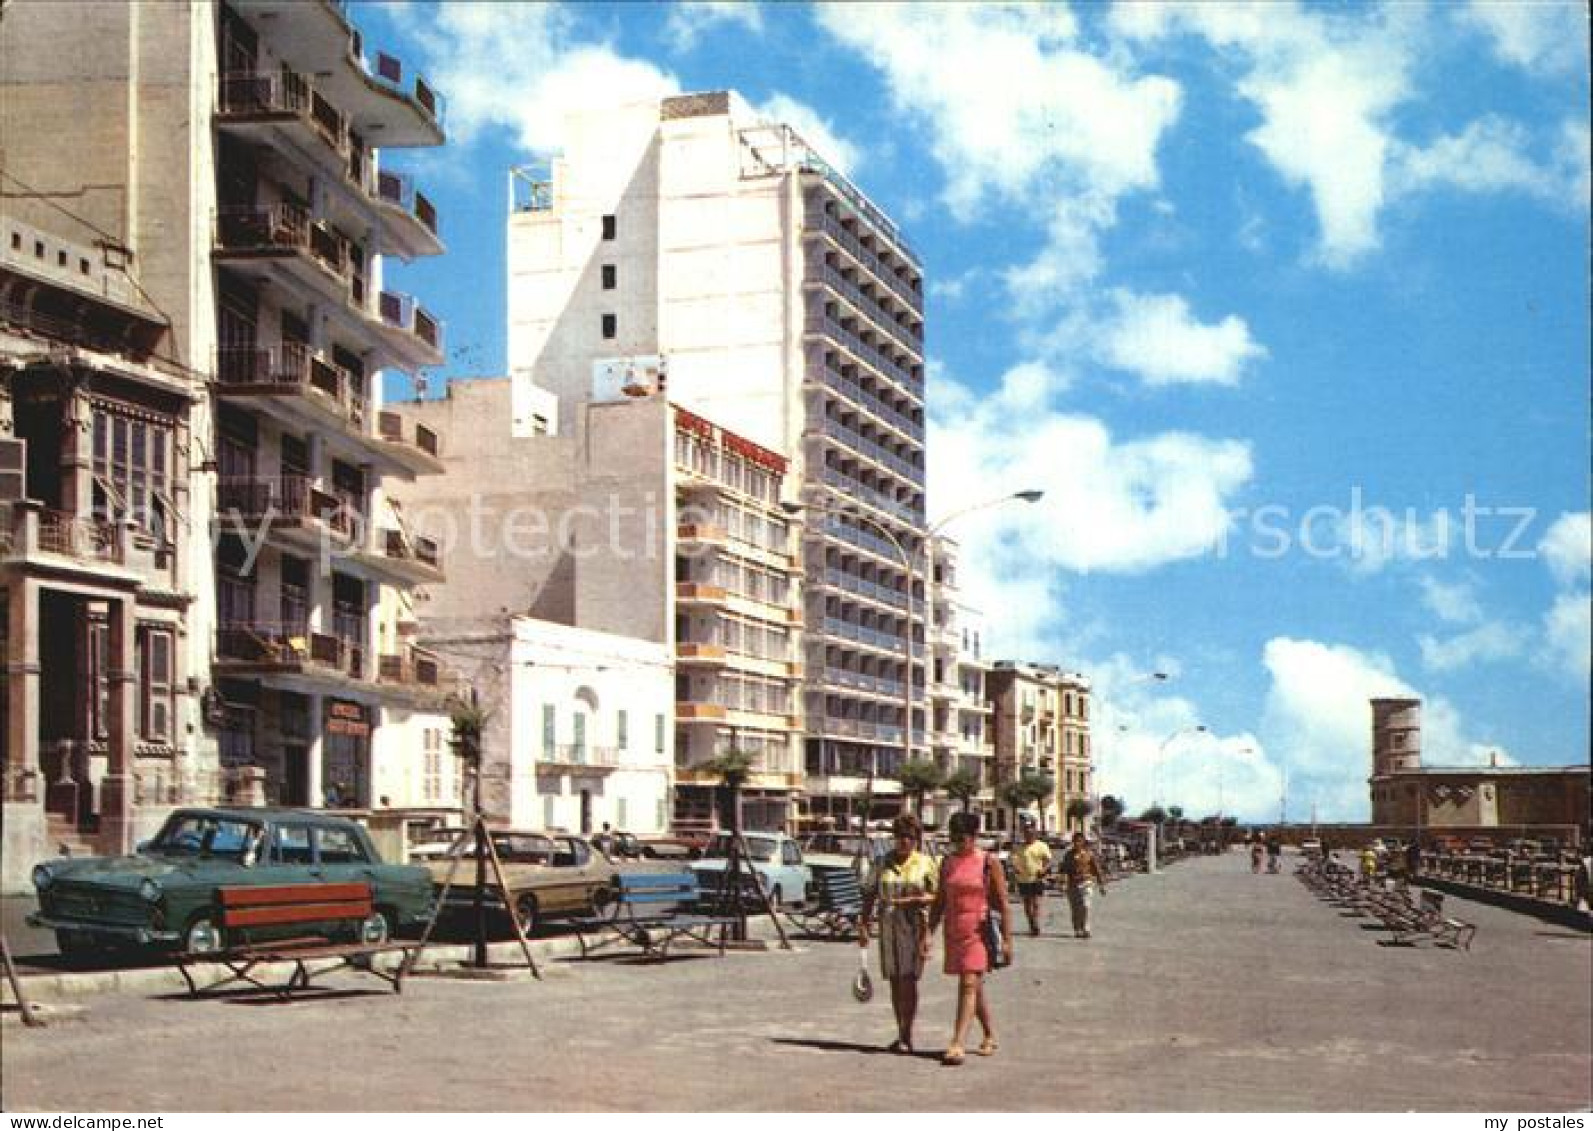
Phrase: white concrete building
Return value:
(789, 309)
(195, 325)
(579, 729)
(961, 729)
(658, 526)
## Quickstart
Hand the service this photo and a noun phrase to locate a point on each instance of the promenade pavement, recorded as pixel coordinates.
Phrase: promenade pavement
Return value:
(1205, 988)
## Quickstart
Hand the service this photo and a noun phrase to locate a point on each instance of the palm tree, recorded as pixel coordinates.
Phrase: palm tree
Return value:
(1079, 810)
(1111, 810)
(468, 720)
(964, 786)
(1027, 790)
(734, 767)
(918, 777)
(1154, 815)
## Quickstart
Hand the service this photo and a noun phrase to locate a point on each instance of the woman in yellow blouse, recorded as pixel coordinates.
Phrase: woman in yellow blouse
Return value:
(901, 889)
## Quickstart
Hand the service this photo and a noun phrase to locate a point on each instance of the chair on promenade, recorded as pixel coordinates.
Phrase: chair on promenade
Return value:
(835, 911)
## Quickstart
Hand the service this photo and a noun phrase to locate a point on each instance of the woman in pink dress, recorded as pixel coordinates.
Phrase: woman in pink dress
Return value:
(971, 882)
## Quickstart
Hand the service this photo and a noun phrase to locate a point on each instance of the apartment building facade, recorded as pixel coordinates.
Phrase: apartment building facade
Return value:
(210, 368)
(658, 526)
(961, 728)
(1041, 717)
(789, 309)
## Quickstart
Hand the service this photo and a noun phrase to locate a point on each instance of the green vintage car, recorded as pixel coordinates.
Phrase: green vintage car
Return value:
(165, 895)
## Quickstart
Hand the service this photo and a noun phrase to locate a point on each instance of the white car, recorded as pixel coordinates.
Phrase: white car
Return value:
(1311, 847)
(776, 859)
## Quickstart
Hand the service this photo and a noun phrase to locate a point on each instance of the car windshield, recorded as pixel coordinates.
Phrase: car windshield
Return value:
(762, 848)
(194, 834)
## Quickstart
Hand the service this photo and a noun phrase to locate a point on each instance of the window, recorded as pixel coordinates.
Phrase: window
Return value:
(432, 747)
(290, 844)
(610, 276)
(548, 812)
(621, 812)
(155, 683)
(610, 226)
(132, 462)
(622, 732)
(662, 815)
(610, 325)
(550, 722)
(339, 846)
(658, 737)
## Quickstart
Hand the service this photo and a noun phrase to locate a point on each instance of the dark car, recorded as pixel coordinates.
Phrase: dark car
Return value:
(165, 894)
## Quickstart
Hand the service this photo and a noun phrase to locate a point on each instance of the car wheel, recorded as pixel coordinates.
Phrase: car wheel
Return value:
(377, 929)
(525, 910)
(202, 937)
(74, 944)
(604, 905)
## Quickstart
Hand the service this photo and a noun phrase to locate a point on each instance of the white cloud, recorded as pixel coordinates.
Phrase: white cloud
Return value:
(1370, 538)
(1568, 548)
(1493, 155)
(1453, 602)
(519, 67)
(1538, 36)
(816, 130)
(690, 20)
(1317, 711)
(1156, 337)
(1011, 99)
(1111, 504)
(1567, 627)
(1492, 641)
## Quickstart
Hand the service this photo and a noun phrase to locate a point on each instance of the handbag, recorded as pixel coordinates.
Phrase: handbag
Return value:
(990, 927)
(862, 984)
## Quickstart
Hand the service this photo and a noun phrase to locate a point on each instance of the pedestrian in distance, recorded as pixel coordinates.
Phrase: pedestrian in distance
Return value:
(897, 896)
(1030, 862)
(1274, 854)
(1080, 869)
(1368, 864)
(971, 886)
(1257, 851)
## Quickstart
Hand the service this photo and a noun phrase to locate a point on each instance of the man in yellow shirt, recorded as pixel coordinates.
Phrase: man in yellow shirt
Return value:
(1030, 862)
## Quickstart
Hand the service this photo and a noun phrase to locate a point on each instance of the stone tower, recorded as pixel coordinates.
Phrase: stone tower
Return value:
(1396, 736)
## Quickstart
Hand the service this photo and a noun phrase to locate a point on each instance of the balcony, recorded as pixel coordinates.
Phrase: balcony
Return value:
(417, 450)
(403, 559)
(819, 324)
(413, 335)
(389, 108)
(700, 713)
(817, 223)
(700, 536)
(702, 655)
(268, 242)
(580, 756)
(868, 307)
(823, 374)
(294, 512)
(291, 649)
(410, 219)
(91, 547)
(416, 668)
(853, 443)
(697, 593)
(294, 383)
(283, 109)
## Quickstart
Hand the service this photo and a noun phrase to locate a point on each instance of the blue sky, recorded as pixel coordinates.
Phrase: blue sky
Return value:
(1261, 296)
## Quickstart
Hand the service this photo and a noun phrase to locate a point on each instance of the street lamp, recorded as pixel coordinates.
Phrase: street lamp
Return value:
(1106, 706)
(853, 511)
(1156, 771)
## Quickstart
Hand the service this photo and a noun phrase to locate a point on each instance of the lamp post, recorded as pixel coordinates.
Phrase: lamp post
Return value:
(1197, 728)
(1118, 728)
(853, 511)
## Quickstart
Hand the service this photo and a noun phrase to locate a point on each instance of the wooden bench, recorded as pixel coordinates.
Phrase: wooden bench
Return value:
(651, 910)
(241, 910)
(835, 912)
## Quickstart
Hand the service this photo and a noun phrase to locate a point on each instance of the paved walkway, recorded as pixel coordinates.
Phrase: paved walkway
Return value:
(1205, 988)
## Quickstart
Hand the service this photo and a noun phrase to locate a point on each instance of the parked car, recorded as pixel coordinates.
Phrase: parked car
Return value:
(434, 843)
(776, 860)
(669, 848)
(1311, 848)
(165, 894)
(549, 876)
(845, 850)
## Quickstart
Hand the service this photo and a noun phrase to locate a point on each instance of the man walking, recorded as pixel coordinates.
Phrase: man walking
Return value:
(1080, 868)
(1030, 862)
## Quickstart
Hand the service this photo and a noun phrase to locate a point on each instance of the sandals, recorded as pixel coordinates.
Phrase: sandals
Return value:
(987, 1047)
(952, 1056)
